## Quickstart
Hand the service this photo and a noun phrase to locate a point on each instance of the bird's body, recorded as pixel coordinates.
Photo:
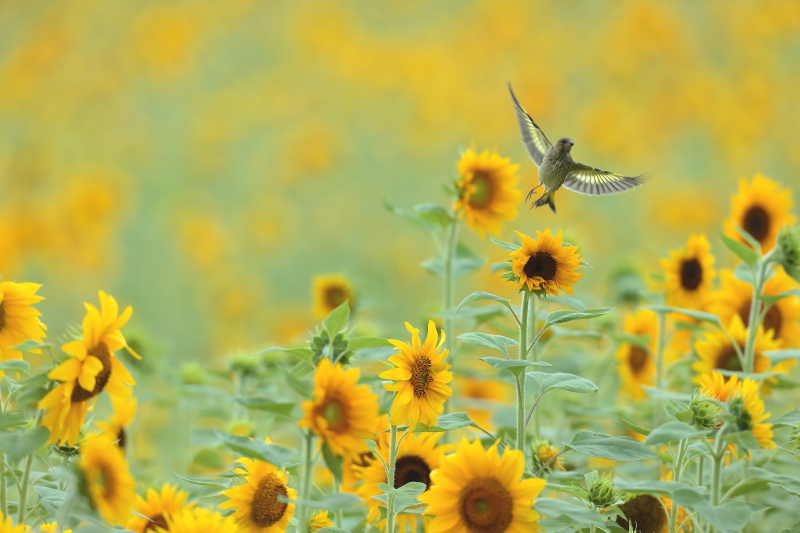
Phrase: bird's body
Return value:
(557, 168)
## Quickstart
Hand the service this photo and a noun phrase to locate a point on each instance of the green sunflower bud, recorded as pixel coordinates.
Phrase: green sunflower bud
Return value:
(322, 346)
(705, 413)
(193, 374)
(794, 437)
(244, 364)
(787, 252)
(241, 428)
(544, 451)
(602, 492)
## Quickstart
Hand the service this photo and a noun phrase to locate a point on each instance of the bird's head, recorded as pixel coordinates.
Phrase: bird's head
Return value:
(564, 145)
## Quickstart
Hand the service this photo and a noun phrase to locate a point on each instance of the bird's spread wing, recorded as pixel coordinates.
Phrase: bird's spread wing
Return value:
(584, 179)
(534, 139)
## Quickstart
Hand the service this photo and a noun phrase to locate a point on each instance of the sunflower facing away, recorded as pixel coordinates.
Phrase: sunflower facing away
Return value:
(342, 413)
(330, 292)
(717, 353)
(124, 409)
(748, 408)
(761, 208)
(477, 490)
(91, 369)
(19, 320)
(545, 264)
(258, 509)
(487, 191)
(417, 456)
(636, 362)
(689, 273)
(419, 377)
(158, 507)
(644, 514)
(198, 520)
(318, 521)
(108, 480)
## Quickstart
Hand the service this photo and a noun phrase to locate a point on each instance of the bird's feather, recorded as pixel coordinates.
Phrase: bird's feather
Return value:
(534, 139)
(592, 181)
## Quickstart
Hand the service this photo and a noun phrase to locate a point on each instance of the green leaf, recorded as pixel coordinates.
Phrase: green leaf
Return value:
(500, 266)
(770, 299)
(749, 239)
(609, 447)
(446, 422)
(18, 445)
(565, 315)
(433, 213)
(678, 410)
(409, 491)
(333, 462)
(475, 296)
(743, 272)
(790, 484)
(414, 217)
(699, 315)
(742, 251)
(570, 301)
(574, 490)
(560, 380)
(729, 517)
(259, 403)
(789, 419)
(561, 515)
(633, 427)
(303, 353)
(16, 365)
(13, 418)
(333, 530)
(271, 453)
(672, 431)
(515, 366)
(663, 488)
(337, 319)
(794, 529)
(486, 340)
(31, 344)
(301, 387)
(362, 343)
(743, 439)
(505, 245)
(778, 356)
(332, 502)
(219, 483)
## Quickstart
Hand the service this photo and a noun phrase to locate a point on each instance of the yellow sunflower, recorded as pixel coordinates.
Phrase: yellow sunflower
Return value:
(717, 353)
(761, 208)
(715, 385)
(689, 273)
(748, 408)
(782, 319)
(318, 521)
(637, 363)
(487, 191)
(158, 507)
(91, 369)
(258, 509)
(198, 520)
(644, 514)
(52, 527)
(330, 292)
(108, 480)
(7, 526)
(19, 320)
(342, 413)
(419, 378)
(354, 463)
(477, 490)
(477, 396)
(545, 264)
(417, 456)
(124, 409)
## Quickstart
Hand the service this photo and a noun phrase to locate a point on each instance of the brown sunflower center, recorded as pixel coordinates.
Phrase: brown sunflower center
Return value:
(485, 506)
(411, 468)
(644, 513)
(421, 376)
(728, 360)
(156, 522)
(637, 358)
(483, 190)
(334, 410)
(101, 352)
(541, 265)
(121, 438)
(335, 296)
(2, 316)
(266, 509)
(773, 320)
(691, 274)
(756, 222)
(363, 459)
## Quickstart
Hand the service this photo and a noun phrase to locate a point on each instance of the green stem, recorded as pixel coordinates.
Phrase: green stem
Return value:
(447, 293)
(716, 472)
(305, 487)
(3, 488)
(700, 465)
(534, 355)
(753, 323)
(659, 379)
(338, 514)
(523, 343)
(390, 515)
(26, 476)
(677, 469)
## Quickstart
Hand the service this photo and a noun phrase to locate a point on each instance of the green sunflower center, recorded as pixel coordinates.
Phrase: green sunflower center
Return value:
(485, 505)
(411, 468)
(728, 360)
(756, 222)
(691, 274)
(335, 296)
(334, 413)
(101, 352)
(541, 265)
(637, 358)
(265, 509)
(421, 376)
(644, 514)
(483, 190)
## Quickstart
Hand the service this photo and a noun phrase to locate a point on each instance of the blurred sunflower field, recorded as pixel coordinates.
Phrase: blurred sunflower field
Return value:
(270, 266)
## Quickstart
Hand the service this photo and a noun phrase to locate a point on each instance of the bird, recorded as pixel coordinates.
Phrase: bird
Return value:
(557, 168)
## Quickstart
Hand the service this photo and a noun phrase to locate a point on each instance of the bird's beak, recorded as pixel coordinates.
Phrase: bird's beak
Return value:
(572, 143)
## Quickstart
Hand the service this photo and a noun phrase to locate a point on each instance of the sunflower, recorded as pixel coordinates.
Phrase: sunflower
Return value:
(417, 456)
(354, 463)
(124, 409)
(717, 353)
(480, 397)
(544, 451)
(19, 320)
(330, 292)
(545, 264)
(91, 368)
(761, 208)
(714, 385)
(7, 526)
(782, 319)
(477, 490)
(318, 521)
(258, 509)
(52, 527)
(748, 408)
(157, 507)
(342, 413)
(487, 191)
(419, 377)
(198, 520)
(636, 362)
(689, 273)
(644, 514)
(107, 478)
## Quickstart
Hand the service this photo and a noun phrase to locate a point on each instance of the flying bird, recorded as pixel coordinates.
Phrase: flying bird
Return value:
(557, 168)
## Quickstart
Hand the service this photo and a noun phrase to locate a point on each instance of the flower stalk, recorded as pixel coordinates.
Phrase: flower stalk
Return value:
(523, 343)
(390, 514)
(308, 452)
(754, 322)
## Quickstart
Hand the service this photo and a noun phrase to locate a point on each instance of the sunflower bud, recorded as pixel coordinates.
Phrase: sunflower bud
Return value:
(787, 252)
(705, 413)
(544, 451)
(322, 347)
(193, 374)
(794, 437)
(244, 364)
(602, 492)
(241, 428)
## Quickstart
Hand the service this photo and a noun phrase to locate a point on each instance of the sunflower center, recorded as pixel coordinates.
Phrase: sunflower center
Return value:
(485, 506)
(156, 522)
(2, 316)
(638, 358)
(411, 468)
(691, 274)
(121, 438)
(335, 297)
(101, 352)
(333, 411)
(644, 513)
(265, 509)
(363, 459)
(728, 360)
(541, 265)
(773, 320)
(421, 376)
(756, 222)
(482, 192)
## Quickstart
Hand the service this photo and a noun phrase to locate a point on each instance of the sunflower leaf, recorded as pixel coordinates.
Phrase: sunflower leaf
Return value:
(16, 365)
(500, 266)
(331, 502)
(362, 343)
(565, 315)
(333, 462)
(773, 298)
(486, 340)
(337, 319)
(699, 315)
(561, 380)
(688, 494)
(633, 427)
(789, 419)
(425, 223)
(333, 530)
(729, 517)
(475, 296)
(221, 483)
(505, 245)
(672, 431)
(434, 213)
(32, 344)
(515, 366)
(788, 483)
(778, 356)
(749, 239)
(609, 447)
(18, 445)
(260, 403)
(264, 451)
(742, 251)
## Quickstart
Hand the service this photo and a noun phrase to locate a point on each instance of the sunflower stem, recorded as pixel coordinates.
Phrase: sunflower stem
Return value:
(447, 293)
(306, 486)
(338, 514)
(753, 321)
(390, 514)
(716, 472)
(26, 476)
(659, 378)
(677, 469)
(523, 343)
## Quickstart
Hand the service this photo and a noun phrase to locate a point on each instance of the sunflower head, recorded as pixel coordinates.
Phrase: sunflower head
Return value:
(717, 352)
(330, 292)
(747, 409)
(124, 409)
(419, 377)
(318, 521)
(157, 507)
(7, 526)
(198, 520)
(760, 207)
(543, 451)
(601, 489)
(487, 191)
(106, 477)
(644, 514)
(637, 360)
(19, 320)
(689, 272)
(545, 265)
(257, 506)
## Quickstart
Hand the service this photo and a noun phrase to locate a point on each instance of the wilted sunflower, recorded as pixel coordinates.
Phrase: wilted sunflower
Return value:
(689, 273)
(644, 514)
(157, 507)
(761, 208)
(717, 353)
(487, 191)
(477, 490)
(545, 264)
(124, 409)
(199, 520)
(318, 521)
(342, 413)
(258, 509)
(330, 292)
(417, 456)
(91, 369)
(420, 379)
(107, 478)
(636, 362)
(19, 320)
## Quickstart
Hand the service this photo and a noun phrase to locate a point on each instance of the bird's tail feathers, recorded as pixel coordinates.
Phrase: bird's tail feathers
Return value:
(548, 198)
